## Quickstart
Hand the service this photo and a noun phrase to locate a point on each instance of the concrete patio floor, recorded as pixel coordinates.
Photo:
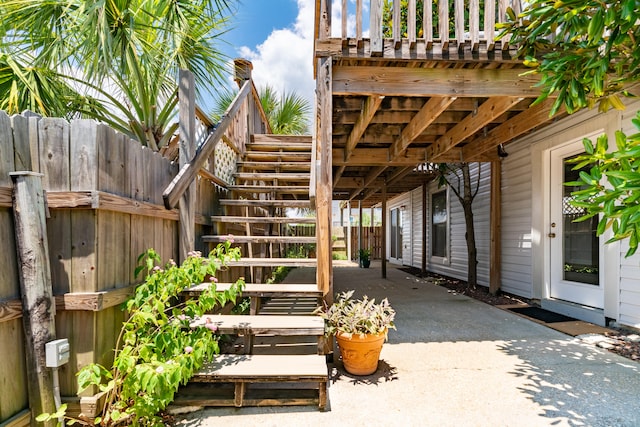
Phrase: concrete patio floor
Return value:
(455, 361)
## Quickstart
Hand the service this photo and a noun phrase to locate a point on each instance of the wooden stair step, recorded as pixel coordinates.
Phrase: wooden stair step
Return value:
(265, 176)
(266, 203)
(263, 219)
(278, 146)
(272, 262)
(283, 139)
(289, 306)
(282, 325)
(242, 370)
(280, 166)
(289, 189)
(263, 289)
(273, 156)
(260, 239)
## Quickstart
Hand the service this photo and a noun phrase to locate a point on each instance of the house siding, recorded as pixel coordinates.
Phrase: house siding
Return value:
(456, 264)
(629, 296)
(516, 263)
(416, 228)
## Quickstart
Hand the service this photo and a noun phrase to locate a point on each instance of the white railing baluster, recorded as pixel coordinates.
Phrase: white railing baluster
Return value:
(490, 23)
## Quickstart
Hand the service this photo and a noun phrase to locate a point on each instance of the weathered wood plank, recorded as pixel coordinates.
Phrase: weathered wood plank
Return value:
(187, 108)
(375, 27)
(113, 249)
(270, 262)
(21, 143)
(13, 372)
(369, 80)
(261, 239)
(371, 105)
(53, 135)
(21, 419)
(264, 219)
(266, 203)
(84, 153)
(257, 368)
(7, 164)
(35, 288)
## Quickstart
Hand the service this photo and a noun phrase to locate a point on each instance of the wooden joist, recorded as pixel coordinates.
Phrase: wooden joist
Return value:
(277, 146)
(242, 370)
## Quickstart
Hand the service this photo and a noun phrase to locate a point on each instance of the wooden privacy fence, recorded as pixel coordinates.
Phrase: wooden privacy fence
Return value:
(104, 197)
(370, 237)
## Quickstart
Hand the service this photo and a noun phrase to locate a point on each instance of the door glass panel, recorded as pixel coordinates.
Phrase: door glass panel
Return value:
(439, 219)
(580, 243)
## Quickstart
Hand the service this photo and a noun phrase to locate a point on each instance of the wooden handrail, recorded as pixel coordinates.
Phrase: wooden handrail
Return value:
(187, 174)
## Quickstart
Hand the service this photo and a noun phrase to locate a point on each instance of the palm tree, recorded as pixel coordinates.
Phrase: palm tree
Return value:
(114, 60)
(287, 112)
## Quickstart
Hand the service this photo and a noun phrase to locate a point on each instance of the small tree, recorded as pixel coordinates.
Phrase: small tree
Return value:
(458, 177)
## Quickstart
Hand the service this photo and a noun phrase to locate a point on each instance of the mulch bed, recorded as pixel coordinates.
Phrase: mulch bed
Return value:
(622, 341)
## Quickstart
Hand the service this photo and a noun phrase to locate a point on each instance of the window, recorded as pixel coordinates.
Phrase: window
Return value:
(439, 224)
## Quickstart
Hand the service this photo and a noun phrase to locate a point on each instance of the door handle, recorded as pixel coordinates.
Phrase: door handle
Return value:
(552, 235)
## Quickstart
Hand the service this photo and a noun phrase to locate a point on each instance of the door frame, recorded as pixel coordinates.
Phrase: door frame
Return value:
(582, 123)
(571, 291)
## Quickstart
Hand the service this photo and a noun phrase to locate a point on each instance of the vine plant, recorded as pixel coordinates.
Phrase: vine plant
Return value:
(157, 350)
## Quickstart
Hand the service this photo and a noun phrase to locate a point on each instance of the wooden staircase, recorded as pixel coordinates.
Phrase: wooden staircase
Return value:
(271, 183)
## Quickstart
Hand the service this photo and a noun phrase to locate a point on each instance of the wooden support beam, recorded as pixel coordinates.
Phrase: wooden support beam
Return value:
(429, 112)
(371, 105)
(487, 112)
(509, 130)
(324, 187)
(495, 228)
(411, 157)
(35, 287)
(461, 82)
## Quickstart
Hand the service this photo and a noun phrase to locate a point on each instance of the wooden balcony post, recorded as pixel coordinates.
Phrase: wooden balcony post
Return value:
(324, 185)
(384, 231)
(38, 305)
(187, 119)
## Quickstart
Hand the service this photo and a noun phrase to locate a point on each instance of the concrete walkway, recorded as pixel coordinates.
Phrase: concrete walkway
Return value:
(455, 361)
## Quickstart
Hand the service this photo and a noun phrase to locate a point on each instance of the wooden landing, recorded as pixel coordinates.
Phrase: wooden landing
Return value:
(266, 203)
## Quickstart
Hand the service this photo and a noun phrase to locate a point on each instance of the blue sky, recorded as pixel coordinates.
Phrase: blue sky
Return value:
(277, 37)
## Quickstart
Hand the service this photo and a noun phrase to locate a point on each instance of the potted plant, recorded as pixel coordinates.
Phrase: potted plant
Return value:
(360, 327)
(365, 257)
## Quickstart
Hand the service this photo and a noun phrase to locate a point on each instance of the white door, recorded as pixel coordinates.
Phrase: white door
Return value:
(575, 250)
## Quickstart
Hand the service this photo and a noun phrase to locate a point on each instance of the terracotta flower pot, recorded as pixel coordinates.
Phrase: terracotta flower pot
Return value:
(360, 353)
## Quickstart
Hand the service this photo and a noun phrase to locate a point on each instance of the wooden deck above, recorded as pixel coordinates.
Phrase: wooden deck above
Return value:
(444, 90)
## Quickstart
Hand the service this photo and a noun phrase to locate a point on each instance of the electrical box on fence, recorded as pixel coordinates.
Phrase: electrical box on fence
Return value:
(57, 353)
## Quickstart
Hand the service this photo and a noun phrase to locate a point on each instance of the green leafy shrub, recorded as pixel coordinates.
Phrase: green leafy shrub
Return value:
(157, 350)
(357, 316)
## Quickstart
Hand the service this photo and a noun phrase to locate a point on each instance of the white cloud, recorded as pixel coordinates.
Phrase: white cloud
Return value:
(285, 59)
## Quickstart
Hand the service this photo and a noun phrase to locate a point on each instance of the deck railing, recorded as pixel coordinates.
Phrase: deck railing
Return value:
(460, 23)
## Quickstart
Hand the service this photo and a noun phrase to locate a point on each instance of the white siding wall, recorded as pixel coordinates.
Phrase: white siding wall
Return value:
(629, 309)
(416, 228)
(516, 220)
(456, 264)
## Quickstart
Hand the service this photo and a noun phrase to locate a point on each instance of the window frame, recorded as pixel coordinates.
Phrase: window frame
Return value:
(447, 246)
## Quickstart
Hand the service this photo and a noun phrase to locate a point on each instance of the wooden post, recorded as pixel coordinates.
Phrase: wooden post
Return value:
(38, 305)
(375, 27)
(360, 245)
(384, 231)
(187, 118)
(495, 228)
(348, 237)
(324, 186)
